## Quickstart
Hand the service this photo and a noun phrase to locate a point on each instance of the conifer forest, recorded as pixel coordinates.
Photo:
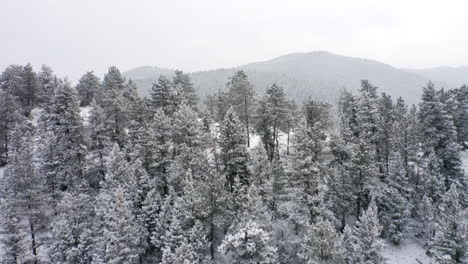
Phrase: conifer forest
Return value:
(93, 172)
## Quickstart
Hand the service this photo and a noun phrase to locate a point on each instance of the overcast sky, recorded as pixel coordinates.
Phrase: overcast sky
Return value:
(77, 36)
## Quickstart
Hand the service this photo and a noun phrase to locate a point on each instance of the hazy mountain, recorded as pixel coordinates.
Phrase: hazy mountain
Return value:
(319, 75)
(447, 77)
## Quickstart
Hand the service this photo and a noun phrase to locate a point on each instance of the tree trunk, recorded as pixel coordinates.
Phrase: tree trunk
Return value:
(33, 241)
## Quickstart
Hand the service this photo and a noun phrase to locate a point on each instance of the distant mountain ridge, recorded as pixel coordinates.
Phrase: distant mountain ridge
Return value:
(319, 75)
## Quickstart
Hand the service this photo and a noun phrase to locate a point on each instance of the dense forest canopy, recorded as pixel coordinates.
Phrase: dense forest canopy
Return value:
(95, 173)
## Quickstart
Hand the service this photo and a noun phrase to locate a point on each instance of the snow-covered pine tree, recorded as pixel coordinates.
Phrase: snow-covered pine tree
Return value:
(425, 217)
(99, 145)
(63, 148)
(365, 163)
(394, 202)
(47, 85)
(271, 116)
(183, 81)
(322, 244)
(241, 96)
(88, 87)
(439, 134)
(364, 244)
(385, 124)
(114, 105)
(450, 244)
(460, 115)
(124, 234)
(163, 96)
(234, 154)
(309, 167)
(72, 228)
(24, 201)
(340, 181)
(29, 89)
(9, 117)
(249, 243)
(119, 212)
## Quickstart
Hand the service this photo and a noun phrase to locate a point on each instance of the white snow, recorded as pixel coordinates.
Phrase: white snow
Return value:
(84, 113)
(464, 158)
(35, 115)
(411, 252)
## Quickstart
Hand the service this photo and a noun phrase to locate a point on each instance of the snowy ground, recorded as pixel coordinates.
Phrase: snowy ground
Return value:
(411, 252)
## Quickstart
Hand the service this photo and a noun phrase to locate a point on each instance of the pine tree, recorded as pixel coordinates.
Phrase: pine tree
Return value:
(64, 146)
(322, 244)
(365, 162)
(249, 243)
(340, 181)
(364, 241)
(124, 235)
(163, 95)
(71, 229)
(450, 242)
(309, 169)
(233, 152)
(183, 82)
(47, 82)
(241, 96)
(29, 88)
(9, 116)
(114, 105)
(385, 124)
(88, 86)
(271, 116)
(24, 200)
(425, 217)
(99, 144)
(460, 115)
(439, 134)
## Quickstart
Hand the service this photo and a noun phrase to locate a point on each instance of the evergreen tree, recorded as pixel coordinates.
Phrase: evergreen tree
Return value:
(71, 229)
(233, 152)
(114, 105)
(64, 150)
(163, 95)
(385, 124)
(88, 86)
(450, 242)
(364, 242)
(241, 96)
(249, 243)
(271, 115)
(183, 82)
(29, 88)
(9, 117)
(24, 200)
(460, 114)
(47, 82)
(322, 244)
(439, 134)
(365, 162)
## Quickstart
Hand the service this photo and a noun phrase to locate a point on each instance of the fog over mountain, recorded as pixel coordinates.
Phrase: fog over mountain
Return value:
(319, 75)
(445, 76)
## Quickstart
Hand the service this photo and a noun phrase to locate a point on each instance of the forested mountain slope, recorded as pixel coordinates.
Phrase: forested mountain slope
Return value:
(319, 75)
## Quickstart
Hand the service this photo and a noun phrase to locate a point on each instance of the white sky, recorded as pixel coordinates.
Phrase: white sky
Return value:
(74, 36)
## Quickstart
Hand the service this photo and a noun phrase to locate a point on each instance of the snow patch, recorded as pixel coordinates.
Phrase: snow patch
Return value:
(84, 113)
(35, 115)
(410, 252)
(464, 158)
